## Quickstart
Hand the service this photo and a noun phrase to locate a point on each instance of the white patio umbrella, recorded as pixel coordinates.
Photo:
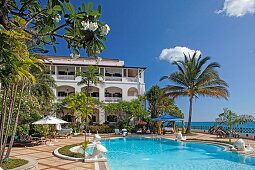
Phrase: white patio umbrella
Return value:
(50, 120)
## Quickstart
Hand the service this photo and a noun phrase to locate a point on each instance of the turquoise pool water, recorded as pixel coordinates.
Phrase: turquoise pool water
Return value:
(137, 153)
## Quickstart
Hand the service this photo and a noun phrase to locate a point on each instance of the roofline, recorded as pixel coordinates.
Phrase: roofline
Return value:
(83, 58)
(93, 65)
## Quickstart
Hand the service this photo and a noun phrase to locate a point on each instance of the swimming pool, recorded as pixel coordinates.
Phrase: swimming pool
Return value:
(138, 153)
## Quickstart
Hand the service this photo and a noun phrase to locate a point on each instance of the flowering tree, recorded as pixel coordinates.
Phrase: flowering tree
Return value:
(81, 28)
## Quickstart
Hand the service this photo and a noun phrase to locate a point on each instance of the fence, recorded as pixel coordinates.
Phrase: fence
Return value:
(236, 129)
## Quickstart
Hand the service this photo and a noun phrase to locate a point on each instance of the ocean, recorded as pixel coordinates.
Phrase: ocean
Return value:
(247, 125)
(240, 128)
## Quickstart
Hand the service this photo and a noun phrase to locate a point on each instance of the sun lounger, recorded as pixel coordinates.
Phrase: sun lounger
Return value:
(116, 131)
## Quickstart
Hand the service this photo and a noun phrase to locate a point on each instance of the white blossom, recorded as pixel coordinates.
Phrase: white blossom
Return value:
(75, 56)
(93, 26)
(57, 18)
(105, 30)
(85, 25)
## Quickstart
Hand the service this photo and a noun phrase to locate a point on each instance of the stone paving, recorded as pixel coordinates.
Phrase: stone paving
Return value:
(46, 160)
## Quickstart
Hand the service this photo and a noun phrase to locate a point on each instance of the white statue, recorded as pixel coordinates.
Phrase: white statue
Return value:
(99, 151)
(179, 136)
(240, 146)
(96, 139)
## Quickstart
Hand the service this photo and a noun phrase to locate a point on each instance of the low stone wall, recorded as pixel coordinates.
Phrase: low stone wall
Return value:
(242, 135)
(31, 165)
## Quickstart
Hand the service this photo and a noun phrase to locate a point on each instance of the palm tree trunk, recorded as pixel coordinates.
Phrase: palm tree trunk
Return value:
(190, 115)
(3, 117)
(16, 122)
(230, 130)
(9, 116)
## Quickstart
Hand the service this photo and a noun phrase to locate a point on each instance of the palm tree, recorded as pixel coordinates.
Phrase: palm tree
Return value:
(194, 79)
(91, 76)
(230, 118)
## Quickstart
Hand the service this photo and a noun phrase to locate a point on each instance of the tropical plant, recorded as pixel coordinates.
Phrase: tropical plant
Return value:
(230, 119)
(193, 80)
(159, 106)
(153, 97)
(48, 20)
(128, 110)
(81, 105)
(42, 90)
(91, 76)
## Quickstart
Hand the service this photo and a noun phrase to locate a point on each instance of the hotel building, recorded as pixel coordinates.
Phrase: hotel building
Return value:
(119, 83)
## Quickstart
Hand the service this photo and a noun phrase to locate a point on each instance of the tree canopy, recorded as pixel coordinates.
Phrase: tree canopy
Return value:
(47, 20)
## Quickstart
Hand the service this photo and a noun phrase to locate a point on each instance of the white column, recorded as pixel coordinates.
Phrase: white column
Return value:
(77, 89)
(56, 70)
(101, 93)
(101, 116)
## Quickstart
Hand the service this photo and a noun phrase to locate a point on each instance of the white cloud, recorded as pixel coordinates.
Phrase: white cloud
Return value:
(176, 53)
(238, 8)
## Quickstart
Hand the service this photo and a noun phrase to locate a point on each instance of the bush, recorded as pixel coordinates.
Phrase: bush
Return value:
(130, 128)
(40, 130)
(100, 129)
(22, 130)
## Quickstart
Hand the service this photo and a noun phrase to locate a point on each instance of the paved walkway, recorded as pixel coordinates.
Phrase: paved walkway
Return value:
(46, 160)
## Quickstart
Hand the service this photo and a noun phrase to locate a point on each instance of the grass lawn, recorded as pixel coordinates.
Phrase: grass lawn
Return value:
(13, 163)
(65, 151)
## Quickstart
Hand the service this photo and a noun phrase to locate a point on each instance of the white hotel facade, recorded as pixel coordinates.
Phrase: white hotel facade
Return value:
(119, 83)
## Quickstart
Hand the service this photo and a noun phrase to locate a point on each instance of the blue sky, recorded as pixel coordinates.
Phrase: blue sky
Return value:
(141, 29)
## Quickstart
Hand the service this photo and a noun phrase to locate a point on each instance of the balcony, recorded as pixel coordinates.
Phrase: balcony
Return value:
(112, 99)
(66, 77)
(108, 78)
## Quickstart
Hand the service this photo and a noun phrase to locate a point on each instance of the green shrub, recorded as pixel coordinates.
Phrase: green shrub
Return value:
(100, 129)
(40, 130)
(22, 130)
(130, 128)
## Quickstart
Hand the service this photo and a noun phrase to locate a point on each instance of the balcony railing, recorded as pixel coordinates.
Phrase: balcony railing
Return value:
(112, 99)
(108, 78)
(66, 77)
(132, 79)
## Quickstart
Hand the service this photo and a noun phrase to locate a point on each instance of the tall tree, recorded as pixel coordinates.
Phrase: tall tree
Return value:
(194, 78)
(15, 79)
(159, 104)
(230, 119)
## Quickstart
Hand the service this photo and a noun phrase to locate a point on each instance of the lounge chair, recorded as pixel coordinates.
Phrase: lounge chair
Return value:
(139, 131)
(24, 142)
(116, 131)
(168, 129)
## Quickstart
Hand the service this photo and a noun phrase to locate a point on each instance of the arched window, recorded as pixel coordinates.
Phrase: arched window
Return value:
(132, 91)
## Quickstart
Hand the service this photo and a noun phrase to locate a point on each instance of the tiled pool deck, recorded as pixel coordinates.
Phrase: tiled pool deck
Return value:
(46, 160)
